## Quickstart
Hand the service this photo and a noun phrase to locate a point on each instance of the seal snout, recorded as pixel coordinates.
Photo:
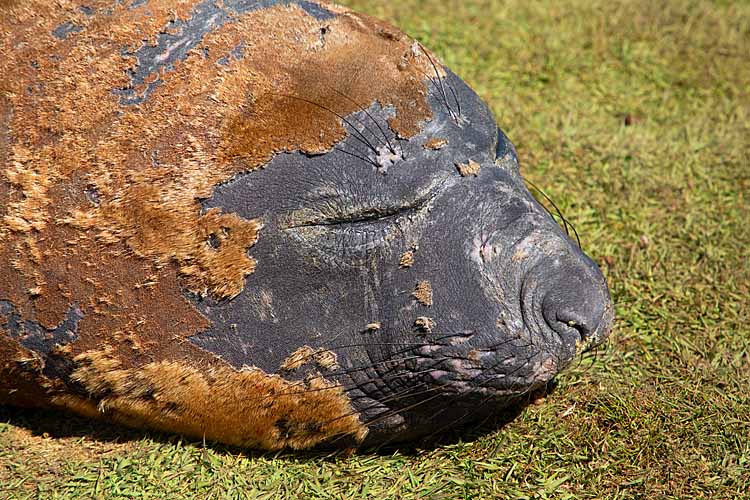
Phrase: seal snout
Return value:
(577, 305)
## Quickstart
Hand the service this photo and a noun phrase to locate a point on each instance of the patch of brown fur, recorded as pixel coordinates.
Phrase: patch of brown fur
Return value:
(470, 168)
(125, 254)
(321, 357)
(407, 259)
(150, 164)
(425, 324)
(436, 143)
(423, 293)
(141, 322)
(5, 117)
(475, 355)
(294, 104)
(220, 269)
(243, 408)
(7, 4)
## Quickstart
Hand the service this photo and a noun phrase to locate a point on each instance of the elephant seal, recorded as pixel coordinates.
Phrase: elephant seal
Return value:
(267, 223)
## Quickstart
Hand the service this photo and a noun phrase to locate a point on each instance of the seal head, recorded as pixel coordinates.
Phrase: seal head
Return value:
(445, 295)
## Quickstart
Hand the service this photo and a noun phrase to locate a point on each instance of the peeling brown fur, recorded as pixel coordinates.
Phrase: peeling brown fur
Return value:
(423, 293)
(436, 143)
(470, 168)
(243, 408)
(425, 324)
(126, 255)
(407, 259)
(321, 357)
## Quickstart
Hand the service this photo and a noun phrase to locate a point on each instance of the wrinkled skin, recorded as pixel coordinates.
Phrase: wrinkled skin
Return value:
(514, 299)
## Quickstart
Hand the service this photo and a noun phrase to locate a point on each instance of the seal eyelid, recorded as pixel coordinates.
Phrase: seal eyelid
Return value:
(337, 211)
(337, 218)
(370, 215)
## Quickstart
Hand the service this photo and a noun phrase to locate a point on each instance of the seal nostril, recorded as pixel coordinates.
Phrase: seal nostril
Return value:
(576, 322)
(569, 305)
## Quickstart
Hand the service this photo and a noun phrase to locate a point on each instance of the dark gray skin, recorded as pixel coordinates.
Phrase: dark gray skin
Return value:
(515, 300)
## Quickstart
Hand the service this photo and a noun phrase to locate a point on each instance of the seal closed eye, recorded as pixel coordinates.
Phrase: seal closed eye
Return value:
(269, 224)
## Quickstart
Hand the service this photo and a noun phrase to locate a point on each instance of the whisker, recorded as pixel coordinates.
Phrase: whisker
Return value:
(399, 372)
(307, 390)
(363, 109)
(371, 365)
(434, 341)
(388, 414)
(402, 344)
(566, 223)
(492, 368)
(403, 394)
(382, 417)
(440, 81)
(455, 97)
(409, 392)
(382, 377)
(363, 158)
(484, 401)
(407, 348)
(549, 200)
(457, 422)
(441, 98)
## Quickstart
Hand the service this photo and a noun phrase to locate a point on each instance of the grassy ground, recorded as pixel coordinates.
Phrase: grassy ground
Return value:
(662, 204)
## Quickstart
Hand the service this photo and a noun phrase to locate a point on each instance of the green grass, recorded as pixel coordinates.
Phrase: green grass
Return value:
(661, 204)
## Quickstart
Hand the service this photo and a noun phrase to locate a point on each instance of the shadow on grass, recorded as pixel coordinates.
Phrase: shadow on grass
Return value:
(58, 424)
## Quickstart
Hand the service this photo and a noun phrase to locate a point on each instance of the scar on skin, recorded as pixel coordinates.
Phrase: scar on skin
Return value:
(425, 324)
(305, 354)
(436, 143)
(470, 168)
(423, 293)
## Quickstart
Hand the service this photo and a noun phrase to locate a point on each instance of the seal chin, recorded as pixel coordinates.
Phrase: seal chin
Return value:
(460, 393)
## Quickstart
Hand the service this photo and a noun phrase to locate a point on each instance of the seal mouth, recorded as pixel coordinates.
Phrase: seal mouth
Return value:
(485, 371)
(496, 385)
